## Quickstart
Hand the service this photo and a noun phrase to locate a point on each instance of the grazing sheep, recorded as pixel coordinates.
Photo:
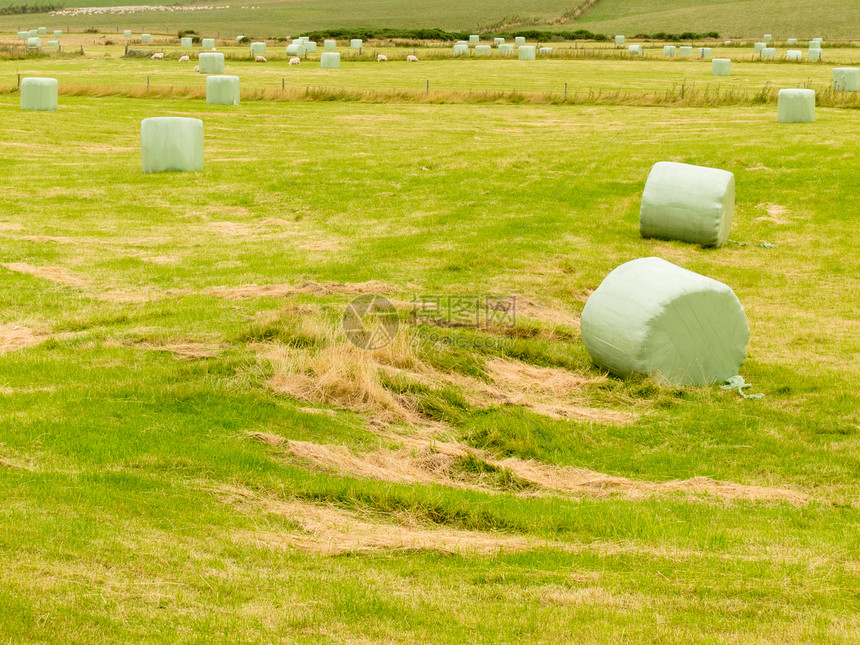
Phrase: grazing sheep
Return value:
(158, 56)
(295, 61)
(184, 59)
(260, 59)
(411, 59)
(197, 68)
(214, 50)
(381, 58)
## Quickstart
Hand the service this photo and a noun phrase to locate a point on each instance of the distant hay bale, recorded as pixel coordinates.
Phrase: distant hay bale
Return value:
(721, 67)
(53, 44)
(814, 44)
(474, 39)
(211, 62)
(527, 52)
(815, 54)
(207, 43)
(222, 90)
(519, 41)
(768, 53)
(651, 317)
(634, 50)
(34, 43)
(619, 40)
(687, 203)
(32, 33)
(704, 52)
(498, 41)
(58, 33)
(39, 94)
(757, 47)
(330, 60)
(728, 43)
(42, 31)
(23, 35)
(258, 49)
(846, 79)
(506, 48)
(461, 50)
(355, 43)
(145, 38)
(669, 51)
(171, 143)
(791, 41)
(186, 42)
(126, 33)
(545, 51)
(794, 55)
(329, 45)
(795, 106)
(768, 38)
(685, 51)
(310, 46)
(483, 50)
(296, 49)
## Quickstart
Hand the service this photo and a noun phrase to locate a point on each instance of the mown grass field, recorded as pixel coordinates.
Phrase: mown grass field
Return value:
(191, 450)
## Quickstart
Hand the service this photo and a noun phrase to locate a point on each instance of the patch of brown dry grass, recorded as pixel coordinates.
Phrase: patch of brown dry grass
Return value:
(59, 275)
(309, 287)
(13, 337)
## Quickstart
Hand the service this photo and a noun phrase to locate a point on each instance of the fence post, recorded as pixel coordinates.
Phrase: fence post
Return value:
(19, 81)
(147, 83)
(565, 92)
(428, 86)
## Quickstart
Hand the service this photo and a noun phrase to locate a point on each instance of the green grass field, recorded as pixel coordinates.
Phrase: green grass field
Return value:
(191, 450)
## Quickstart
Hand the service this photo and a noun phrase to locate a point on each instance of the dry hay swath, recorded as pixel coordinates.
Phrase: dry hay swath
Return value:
(309, 287)
(184, 350)
(775, 213)
(13, 337)
(54, 274)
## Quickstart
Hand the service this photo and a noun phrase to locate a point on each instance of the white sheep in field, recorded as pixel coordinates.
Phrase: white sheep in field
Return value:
(295, 61)
(381, 58)
(184, 59)
(214, 50)
(411, 59)
(260, 59)
(157, 57)
(197, 68)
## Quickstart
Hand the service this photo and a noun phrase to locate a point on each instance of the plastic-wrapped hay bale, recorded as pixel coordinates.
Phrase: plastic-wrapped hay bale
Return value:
(818, 40)
(222, 90)
(145, 38)
(258, 49)
(721, 67)
(685, 51)
(39, 94)
(461, 50)
(42, 31)
(634, 50)
(355, 43)
(53, 44)
(329, 45)
(126, 33)
(474, 39)
(791, 41)
(498, 41)
(239, 39)
(295, 49)
(211, 62)
(519, 41)
(35, 43)
(58, 33)
(483, 50)
(794, 55)
(207, 43)
(768, 38)
(32, 33)
(757, 47)
(506, 48)
(545, 51)
(669, 51)
(814, 44)
(619, 40)
(462, 42)
(846, 79)
(23, 35)
(687, 203)
(795, 106)
(185, 42)
(311, 47)
(768, 53)
(651, 317)
(171, 143)
(330, 60)
(728, 43)
(704, 52)
(527, 52)
(815, 54)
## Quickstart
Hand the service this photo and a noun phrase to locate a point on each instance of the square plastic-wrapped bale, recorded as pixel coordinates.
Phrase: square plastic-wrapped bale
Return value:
(311, 47)
(207, 43)
(53, 44)
(186, 42)
(258, 49)
(728, 43)
(846, 79)
(721, 67)
(171, 143)
(462, 42)
(42, 31)
(355, 43)
(330, 45)
(704, 52)
(23, 35)
(506, 48)
(32, 33)
(461, 50)
(519, 40)
(687, 203)
(39, 94)
(527, 52)
(222, 90)
(795, 106)
(757, 47)
(619, 40)
(34, 43)
(815, 54)
(58, 33)
(669, 51)
(483, 50)
(818, 40)
(498, 41)
(768, 53)
(330, 60)
(794, 55)
(815, 44)
(545, 51)
(126, 33)
(685, 51)
(634, 50)
(651, 317)
(768, 38)
(791, 41)
(145, 38)
(210, 62)
(474, 39)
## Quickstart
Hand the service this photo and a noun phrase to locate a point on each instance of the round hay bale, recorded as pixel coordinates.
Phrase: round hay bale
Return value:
(651, 317)
(330, 60)
(685, 51)
(355, 43)
(846, 79)
(795, 106)
(768, 53)
(222, 90)
(171, 143)
(669, 51)
(145, 38)
(506, 48)
(483, 50)
(794, 55)
(527, 52)
(211, 63)
(619, 40)
(186, 42)
(39, 94)
(330, 45)
(687, 203)
(296, 49)
(258, 49)
(207, 43)
(519, 41)
(35, 43)
(721, 67)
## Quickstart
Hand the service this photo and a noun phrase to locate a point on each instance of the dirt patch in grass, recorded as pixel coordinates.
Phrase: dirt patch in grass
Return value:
(13, 337)
(309, 287)
(59, 275)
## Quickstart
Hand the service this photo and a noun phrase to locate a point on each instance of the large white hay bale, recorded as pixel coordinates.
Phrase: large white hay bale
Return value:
(498, 41)
(474, 39)
(145, 38)
(42, 31)
(461, 50)
(483, 50)
(704, 52)
(311, 46)
(330, 45)
(330, 60)
(846, 79)
(527, 52)
(687, 203)
(462, 42)
(791, 41)
(32, 33)
(23, 35)
(186, 42)
(39, 94)
(815, 54)
(53, 44)
(296, 49)
(619, 40)
(258, 49)
(34, 42)
(126, 33)
(794, 55)
(818, 40)
(768, 38)
(239, 39)
(721, 67)
(211, 62)
(545, 51)
(519, 40)
(355, 43)
(58, 33)
(757, 47)
(634, 50)
(814, 44)
(222, 90)
(651, 317)
(768, 53)
(685, 51)
(795, 106)
(207, 43)
(170, 143)
(669, 51)
(506, 48)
